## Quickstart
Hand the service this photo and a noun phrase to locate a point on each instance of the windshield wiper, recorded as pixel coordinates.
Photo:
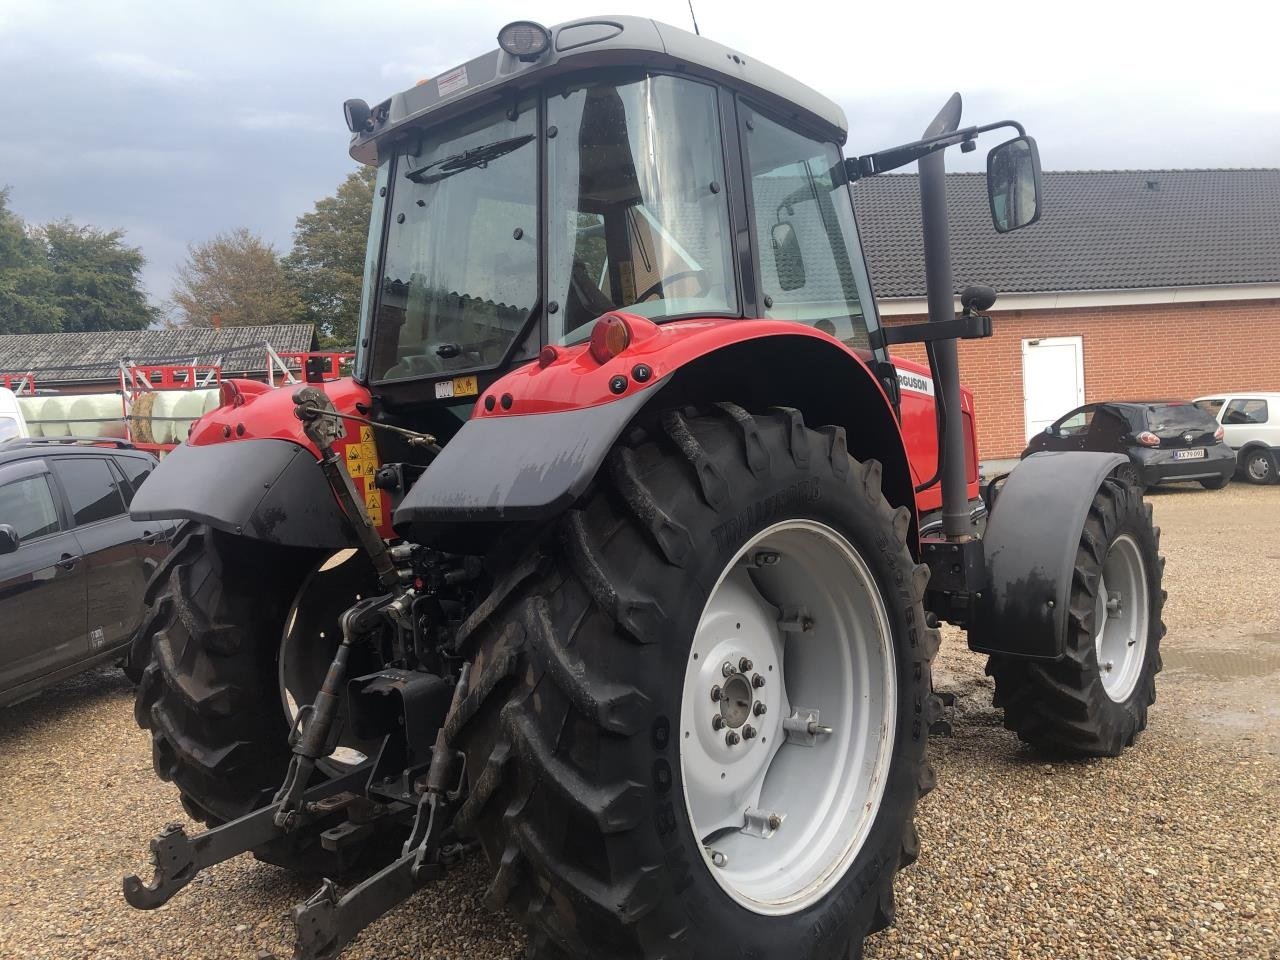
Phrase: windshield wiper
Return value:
(467, 160)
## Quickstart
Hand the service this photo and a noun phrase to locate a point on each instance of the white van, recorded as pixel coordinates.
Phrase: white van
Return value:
(12, 422)
(1251, 424)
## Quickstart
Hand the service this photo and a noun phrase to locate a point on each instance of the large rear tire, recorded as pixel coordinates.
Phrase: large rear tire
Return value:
(576, 728)
(1093, 702)
(208, 690)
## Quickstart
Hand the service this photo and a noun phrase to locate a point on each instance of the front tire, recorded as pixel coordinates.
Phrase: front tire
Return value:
(1094, 701)
(575, 723)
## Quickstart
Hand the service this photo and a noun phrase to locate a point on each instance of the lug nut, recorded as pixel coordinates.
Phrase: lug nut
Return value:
(745, 665)
(715, 694)
(717, 722)
(732, 738)
(760, 709)
(757, 681)
(748, 732)
(727, 669)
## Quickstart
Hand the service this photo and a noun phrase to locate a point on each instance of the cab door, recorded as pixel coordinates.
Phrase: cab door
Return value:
(43, 584)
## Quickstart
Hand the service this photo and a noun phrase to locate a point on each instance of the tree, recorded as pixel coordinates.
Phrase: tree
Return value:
(26, 304)
(237, 278)
(95, 279)
(327, 260)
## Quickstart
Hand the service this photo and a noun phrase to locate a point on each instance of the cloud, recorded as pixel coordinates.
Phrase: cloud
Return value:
(138, 66)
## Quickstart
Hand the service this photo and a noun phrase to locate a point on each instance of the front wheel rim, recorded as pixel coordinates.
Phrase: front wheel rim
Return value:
(1121, 612)
(787, 721)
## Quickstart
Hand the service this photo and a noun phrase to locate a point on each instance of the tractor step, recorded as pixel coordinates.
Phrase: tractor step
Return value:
(178, 857)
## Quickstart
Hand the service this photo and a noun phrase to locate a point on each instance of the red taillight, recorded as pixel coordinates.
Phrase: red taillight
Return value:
(1148, 439)
(609, 337)
(1219, 433)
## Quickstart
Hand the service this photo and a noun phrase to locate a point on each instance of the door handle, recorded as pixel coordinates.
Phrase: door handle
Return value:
(68, 561)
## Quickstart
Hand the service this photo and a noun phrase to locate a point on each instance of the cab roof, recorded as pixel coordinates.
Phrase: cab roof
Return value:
(598, 42)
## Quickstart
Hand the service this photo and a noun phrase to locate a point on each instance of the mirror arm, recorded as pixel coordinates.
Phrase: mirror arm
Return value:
(870, 164)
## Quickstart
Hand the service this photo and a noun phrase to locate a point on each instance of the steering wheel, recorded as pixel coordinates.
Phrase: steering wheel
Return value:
(656, 290)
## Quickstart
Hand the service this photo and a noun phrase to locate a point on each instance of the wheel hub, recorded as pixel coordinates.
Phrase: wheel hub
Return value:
(737, 700)
(1120, 618)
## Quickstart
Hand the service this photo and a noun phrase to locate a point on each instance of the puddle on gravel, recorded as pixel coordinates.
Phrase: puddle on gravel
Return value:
(1228, 664)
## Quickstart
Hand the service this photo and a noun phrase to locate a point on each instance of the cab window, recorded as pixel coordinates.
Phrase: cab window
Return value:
(27, 506)
(806, 242)
(639, 217)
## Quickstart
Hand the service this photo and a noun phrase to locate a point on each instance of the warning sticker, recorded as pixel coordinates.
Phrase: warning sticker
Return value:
(452, 82)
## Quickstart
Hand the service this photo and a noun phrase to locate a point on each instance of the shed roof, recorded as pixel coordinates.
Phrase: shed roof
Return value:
(71, 357)
(1100, 230)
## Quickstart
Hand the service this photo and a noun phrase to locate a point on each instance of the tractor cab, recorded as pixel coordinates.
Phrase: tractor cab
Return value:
(601, 166)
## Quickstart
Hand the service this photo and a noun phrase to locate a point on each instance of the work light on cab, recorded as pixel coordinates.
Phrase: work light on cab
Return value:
(524, 39)
(609, 337)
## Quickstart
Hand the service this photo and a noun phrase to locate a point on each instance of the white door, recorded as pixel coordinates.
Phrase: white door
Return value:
(1052, 379)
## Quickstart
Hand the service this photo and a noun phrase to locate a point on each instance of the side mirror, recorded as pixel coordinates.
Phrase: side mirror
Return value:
(1013, 184)
(8, 539)
(1050, 431)
(358, 116)
(786, 256)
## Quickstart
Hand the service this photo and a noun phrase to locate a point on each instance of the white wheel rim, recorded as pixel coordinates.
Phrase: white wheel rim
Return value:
(298, 687)
(826, 796)
(1120, 618)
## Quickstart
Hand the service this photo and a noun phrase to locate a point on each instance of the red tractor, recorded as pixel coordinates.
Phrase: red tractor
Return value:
(621, 557)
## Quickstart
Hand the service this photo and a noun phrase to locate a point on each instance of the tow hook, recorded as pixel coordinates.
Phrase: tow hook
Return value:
(179, 857)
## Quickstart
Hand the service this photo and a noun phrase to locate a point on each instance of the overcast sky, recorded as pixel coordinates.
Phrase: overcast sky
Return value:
(174, 121)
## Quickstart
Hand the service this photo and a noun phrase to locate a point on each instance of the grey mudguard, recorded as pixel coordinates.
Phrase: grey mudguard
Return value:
(1030, 546)
(269, 490)
(516, 468)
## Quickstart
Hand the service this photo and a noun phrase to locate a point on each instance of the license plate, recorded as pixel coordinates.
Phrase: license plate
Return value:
(457, 387)
(1189, 454)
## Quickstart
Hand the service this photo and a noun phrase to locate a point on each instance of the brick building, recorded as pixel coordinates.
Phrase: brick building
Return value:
(1135, 285)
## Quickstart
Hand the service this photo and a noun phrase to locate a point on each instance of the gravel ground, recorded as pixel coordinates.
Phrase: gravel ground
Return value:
(1169, 852)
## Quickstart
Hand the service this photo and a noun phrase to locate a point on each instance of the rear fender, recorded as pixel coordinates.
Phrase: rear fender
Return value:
(540, 434)
(249, 469)
(263, 489)
(1030, 545)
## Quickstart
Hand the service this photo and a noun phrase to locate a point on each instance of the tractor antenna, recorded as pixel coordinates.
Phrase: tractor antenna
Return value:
(694, 17)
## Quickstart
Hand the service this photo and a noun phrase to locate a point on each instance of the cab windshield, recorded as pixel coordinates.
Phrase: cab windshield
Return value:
(460, 264)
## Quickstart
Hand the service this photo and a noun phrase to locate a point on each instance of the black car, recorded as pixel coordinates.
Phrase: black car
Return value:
(1166, 441)
(73, 565)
